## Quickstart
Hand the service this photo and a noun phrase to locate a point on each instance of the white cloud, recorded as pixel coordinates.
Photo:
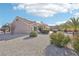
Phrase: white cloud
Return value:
(47, 9)
(19, 6)
(60, 22)
(57, 23)
(76, 14)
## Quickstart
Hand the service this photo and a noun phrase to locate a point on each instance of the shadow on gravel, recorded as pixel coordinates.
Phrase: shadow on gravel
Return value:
(28, 38)
(52, 50)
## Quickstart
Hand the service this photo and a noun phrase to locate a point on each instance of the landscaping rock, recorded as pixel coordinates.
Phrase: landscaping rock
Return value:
(52, 50)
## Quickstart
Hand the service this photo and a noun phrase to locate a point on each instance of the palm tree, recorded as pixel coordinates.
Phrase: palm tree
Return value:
(64, 27)
(74, 24)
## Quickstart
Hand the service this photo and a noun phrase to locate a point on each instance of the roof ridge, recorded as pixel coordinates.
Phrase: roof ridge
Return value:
(18, 17)
(30, 21)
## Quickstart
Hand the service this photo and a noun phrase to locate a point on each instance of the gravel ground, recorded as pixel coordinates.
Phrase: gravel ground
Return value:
(22, 45)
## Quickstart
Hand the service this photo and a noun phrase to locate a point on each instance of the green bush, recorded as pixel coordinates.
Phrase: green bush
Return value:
(76, 46)
(59, 39)
(33, 34)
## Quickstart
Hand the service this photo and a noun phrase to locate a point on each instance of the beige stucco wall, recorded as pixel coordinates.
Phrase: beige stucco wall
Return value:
(22, 27)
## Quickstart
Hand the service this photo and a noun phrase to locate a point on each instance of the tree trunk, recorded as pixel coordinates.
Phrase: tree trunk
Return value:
(73, 33)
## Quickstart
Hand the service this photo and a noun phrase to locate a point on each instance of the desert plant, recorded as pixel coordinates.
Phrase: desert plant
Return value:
(33, 34)
(59, 39)
(76, 46)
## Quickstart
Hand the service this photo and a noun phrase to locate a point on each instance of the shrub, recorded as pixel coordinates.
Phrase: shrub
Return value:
(59, 39)
(76, 46)
(33, 34)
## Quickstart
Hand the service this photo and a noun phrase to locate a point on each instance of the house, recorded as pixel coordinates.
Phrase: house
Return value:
(22, 25)
(54, 28)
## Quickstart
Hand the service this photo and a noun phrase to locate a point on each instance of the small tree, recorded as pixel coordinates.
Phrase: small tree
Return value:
(35, 28)
(5, 28)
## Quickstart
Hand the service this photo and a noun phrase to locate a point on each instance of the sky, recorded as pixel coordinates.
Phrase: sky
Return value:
(49, 13)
